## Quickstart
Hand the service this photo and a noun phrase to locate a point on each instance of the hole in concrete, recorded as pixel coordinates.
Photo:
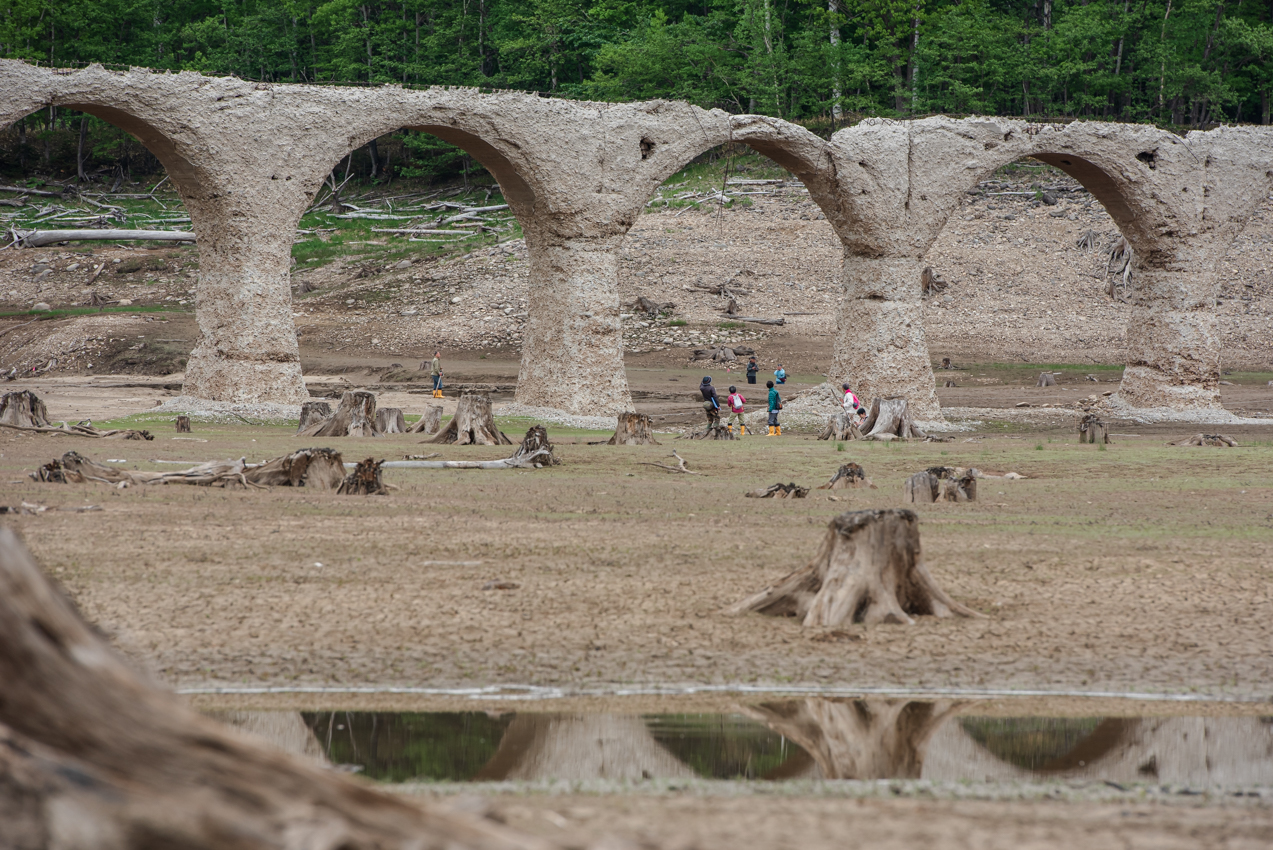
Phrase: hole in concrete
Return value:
(1007, 137)
(1150, 158)
(647, 148)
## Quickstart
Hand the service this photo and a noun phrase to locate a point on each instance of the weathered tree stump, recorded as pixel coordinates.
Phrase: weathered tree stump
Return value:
(945, 363)
(364, 480)
(930, 282)
(857, 738)
(355, 416)
(850, 476)
(950, 384)
(714, 431)
(779, 491)
(1220, 440)
(389, 420)
(23, 409)
(890, 419)
(1046, 379)
(430, 422)
(1093, 430)
(868, 570)
(940, 484)
(472, 424)
(313, 413)
(318, 469)
(95, 753)
(183, 424)
(634, 429)
(840, 427)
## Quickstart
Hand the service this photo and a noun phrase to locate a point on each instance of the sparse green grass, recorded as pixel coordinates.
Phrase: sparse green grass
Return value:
(60, 312)
(677, 323)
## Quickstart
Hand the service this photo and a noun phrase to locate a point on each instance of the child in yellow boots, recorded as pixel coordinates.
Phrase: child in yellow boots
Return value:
(775, 404)
(436, 374)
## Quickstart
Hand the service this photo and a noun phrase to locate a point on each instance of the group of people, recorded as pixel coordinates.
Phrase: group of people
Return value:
(711, 402)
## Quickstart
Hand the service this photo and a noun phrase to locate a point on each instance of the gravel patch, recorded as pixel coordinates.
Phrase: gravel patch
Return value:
(203, 410)
(557, 417)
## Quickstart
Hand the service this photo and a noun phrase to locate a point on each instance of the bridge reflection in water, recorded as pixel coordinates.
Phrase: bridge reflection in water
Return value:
(810, 738)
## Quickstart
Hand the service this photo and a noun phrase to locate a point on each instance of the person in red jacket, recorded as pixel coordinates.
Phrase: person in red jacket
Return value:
(736, 402)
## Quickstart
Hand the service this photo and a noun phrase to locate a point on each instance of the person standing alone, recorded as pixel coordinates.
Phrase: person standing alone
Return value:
(752, 369)
(775, 404)
(736, 402)
(436, 373)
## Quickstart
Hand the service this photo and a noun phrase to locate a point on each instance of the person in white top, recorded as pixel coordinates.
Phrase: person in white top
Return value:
(852, 407)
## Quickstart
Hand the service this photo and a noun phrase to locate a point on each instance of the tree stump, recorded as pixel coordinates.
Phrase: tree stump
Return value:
(318, 469)
(850, 476)
(355, 416)
(945, 363)
(94, 752)
(779, 491)
(940, 484)
(930, 282)
(950, 384)
(183, 424)
(389, 420)
(472, 424)
(868, 570)
(24, 409)
(890, 419)
(634, 429)
(535, 450)
(858, 738)
(313, 413)
(1046, 379)
(715, 431)
(430, 422)
(1220, 440)
(364, 480)
(1093, 430)
(840, 427)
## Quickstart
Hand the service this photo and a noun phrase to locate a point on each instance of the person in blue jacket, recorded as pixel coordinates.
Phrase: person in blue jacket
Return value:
(780, 374)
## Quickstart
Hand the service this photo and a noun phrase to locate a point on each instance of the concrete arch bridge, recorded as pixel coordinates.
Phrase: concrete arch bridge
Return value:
(248, 158)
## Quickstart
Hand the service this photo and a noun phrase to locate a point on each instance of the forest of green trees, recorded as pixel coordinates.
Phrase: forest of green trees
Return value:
(1176, 63)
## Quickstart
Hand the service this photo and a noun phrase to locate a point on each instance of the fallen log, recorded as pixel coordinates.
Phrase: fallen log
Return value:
(849, 476)
(472, 424)
(1220, 440)
(94, 755)
(760, 321)
(74, 468)
(430, 422)
(779, 491)
(890, 419)
(633, 429)
(389, 420)
(534, 452)
(868, 570)
(38, 238)
(318, 469)
(355, 416)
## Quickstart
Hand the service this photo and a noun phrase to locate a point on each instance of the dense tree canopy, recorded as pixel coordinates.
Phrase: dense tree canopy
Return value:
(1177, 62)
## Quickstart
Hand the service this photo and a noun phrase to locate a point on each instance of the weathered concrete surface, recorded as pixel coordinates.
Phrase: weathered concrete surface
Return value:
(248, 159)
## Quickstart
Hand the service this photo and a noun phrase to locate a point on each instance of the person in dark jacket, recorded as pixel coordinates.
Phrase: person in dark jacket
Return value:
(711, 402)
(752, 370)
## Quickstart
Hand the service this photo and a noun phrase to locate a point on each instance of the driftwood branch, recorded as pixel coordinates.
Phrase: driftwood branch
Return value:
(37, 238)
(681, 467)
(534, 452)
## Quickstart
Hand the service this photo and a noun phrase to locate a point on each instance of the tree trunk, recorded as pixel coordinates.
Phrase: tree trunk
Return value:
(313, 413)
(318, 469)
(867, 571)
(940, 484)
(472, 424)
(183, 424)
(23, 409)
(1046, 379)
(364, 480)
(848, 476)
(389, 420)
(634, 429)
(355, 416)
(92, 750)
(1093, 430)
(780, 491)
(858, 739)
(534, 452)
(430, 422)
(890, 419)
(840, 427)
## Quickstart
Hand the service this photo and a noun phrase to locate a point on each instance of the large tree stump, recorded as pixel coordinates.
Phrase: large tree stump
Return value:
(472, 424)
(1093, 430)
(318, 469)
(93, 755)
(868, 570)
(858, 738)
(1046, 379)
(848, 476)
(389, 420)
(23, 409)
(940, 484)
(183, 424)
(634, 429)
(430, 422)
(779, 491)
(355, 416)
(364, 480)
(890, 419)
(840, 427)
(313, 413)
